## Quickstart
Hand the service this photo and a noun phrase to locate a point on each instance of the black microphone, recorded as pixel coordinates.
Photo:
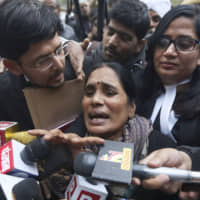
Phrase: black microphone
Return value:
(55, 157)
(35, 151)
(2, 194)
(28, 189)
(84, 164)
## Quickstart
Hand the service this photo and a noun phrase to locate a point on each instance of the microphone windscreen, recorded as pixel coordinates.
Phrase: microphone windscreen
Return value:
(59, 157)
(28, 189)
(84, 163)
(2, 195)
(35, 151)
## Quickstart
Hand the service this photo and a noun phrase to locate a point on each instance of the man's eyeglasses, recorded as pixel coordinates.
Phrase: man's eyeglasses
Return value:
(182, 44)
(45, 63)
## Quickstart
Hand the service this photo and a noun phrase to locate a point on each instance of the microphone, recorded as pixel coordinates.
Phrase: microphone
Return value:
(35, 151)
(10, 130)
(11, 162)
(82, 188)
(85, 162)
(21, 136)
(40, 149)
(7, 182)
(12, 187)
(28, 189)
(2, 194)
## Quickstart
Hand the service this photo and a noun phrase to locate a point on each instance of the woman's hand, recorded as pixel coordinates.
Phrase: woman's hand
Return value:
(74, 142)
(167, 157)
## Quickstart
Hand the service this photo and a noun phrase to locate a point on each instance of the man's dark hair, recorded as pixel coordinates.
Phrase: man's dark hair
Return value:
(23, 22)
(133, 14)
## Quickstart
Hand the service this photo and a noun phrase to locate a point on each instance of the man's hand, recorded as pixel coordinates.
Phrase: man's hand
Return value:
(85, 44)
(167, 157)
(76, 56)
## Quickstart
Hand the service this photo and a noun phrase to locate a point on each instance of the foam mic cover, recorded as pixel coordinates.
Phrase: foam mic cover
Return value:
(59, 157)
(28, 189)
(2, 195)
(55, 156)
(84, 163)
(35, 151)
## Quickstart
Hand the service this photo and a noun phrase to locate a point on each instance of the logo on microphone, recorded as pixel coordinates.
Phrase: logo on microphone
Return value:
(80, 189)
(119, 157)
(84, 195)
(126, 159)
(5, 158)
(72, 188)
(113, 156)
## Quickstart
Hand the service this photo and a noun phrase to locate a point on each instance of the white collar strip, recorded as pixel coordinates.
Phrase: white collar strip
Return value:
(164, 103)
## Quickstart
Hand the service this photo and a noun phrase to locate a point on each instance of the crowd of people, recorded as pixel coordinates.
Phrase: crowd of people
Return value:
(140, 83)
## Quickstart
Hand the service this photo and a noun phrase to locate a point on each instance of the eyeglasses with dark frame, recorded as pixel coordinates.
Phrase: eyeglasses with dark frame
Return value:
(182, 43)
(45, 63)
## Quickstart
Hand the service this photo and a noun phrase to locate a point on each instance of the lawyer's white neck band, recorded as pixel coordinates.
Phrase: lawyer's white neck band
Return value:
(164, 104)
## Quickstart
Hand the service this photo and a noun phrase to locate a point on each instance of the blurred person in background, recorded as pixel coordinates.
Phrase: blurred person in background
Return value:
(2, 67)
(93, 35)
(157, 9)
(68, 32)
(185, 2)
(81, 26)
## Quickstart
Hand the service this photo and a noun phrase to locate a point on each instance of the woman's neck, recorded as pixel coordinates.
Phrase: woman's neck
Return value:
(116, 136)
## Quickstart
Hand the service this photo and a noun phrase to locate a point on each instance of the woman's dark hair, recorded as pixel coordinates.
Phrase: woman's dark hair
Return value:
(151, 81)
(23, 22)
(151, 78)
(189, 11)
(124, 76)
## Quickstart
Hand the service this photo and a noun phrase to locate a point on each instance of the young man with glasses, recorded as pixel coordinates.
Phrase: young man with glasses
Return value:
(33, 53)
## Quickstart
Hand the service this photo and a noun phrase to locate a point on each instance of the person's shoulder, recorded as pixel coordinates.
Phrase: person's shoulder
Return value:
(68, 32)
(10, 82)
(5, 79)
(67, 26)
